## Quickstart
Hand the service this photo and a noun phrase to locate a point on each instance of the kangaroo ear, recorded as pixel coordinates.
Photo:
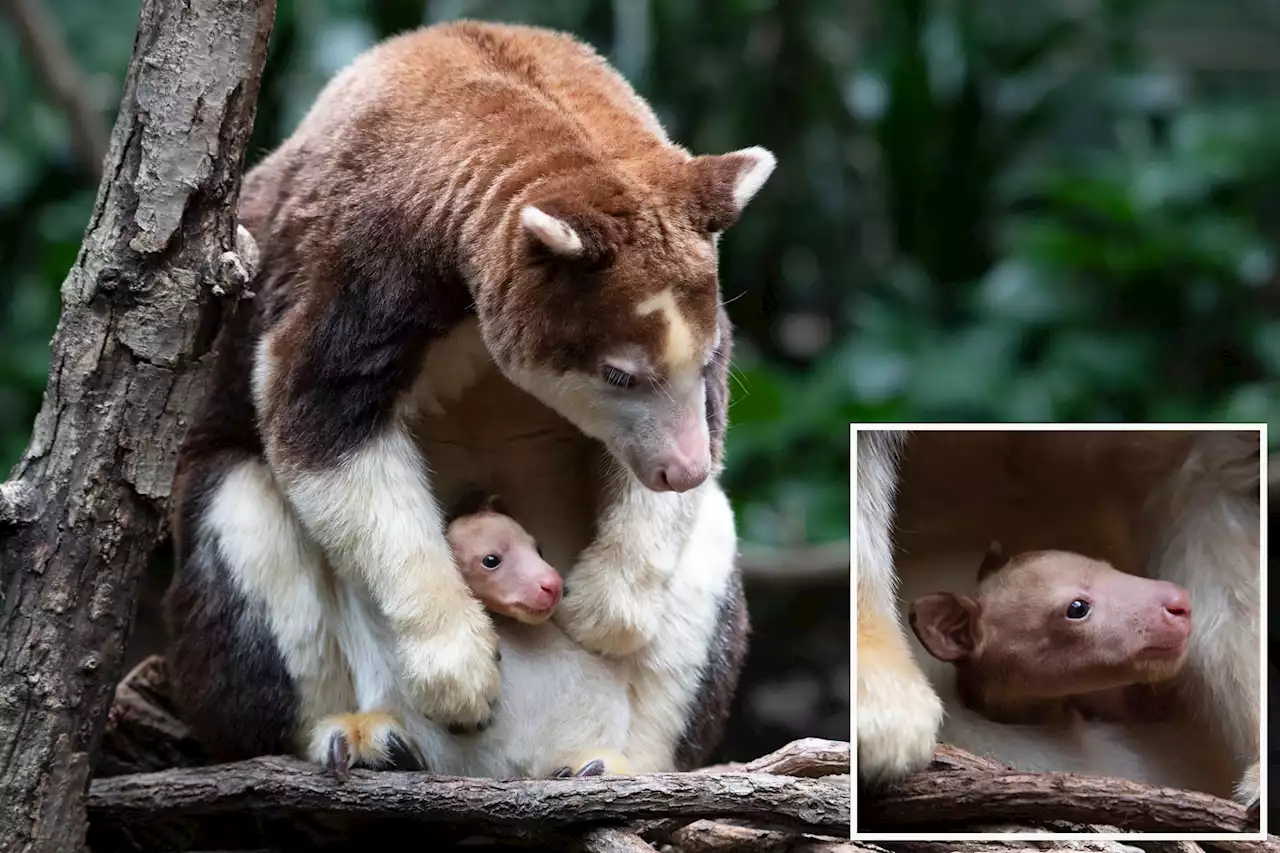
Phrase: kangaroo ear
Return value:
(554, 233)
(723, 184)
(992, 561)
(492, 503)
(570, 230)
(945, 625)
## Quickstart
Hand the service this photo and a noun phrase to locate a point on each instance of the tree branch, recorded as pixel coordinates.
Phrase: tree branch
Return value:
(939, 799)
(144, 734)
(290, 786)
(87, 502)
(44, 46)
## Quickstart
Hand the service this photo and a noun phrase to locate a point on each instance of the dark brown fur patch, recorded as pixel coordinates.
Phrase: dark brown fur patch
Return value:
(718, 390)
(229, 677)
(709, 713)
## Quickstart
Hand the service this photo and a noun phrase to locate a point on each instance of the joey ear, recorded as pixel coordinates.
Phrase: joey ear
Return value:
(992, 561)
(944, 624)
(492, 503)
(551, 231)
(723, 184)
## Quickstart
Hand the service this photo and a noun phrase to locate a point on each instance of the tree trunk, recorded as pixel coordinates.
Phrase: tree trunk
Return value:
(87, 503)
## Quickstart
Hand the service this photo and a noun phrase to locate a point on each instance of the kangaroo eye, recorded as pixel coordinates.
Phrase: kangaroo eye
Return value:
(616, 377)
(491, 562)
(1078, 609)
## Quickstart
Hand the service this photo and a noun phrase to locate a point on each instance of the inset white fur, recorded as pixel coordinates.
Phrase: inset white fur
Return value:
(1208, 539)
(899, 713)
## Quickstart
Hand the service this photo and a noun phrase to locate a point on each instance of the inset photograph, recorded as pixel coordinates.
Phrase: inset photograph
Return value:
(1059, 631)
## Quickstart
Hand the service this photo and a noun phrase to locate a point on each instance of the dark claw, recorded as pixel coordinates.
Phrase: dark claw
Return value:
(562, 773)
(497, 655)
(340, 756)
(594, 767)
(458, 729)
(564, 591)
(400, 755)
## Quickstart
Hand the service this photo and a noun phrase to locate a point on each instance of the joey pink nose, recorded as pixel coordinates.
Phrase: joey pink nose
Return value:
(1177, 603)
(552, 588)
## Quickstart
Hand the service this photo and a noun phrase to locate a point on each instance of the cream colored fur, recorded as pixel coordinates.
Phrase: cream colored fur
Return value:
(898, 713)
(1205, 523)
(656, 559)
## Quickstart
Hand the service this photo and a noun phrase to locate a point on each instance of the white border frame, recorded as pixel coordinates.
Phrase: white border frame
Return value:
(855, 428)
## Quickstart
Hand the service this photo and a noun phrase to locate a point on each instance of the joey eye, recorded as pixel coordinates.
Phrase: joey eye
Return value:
(491, 562)
(617, 378)
(1078, 609)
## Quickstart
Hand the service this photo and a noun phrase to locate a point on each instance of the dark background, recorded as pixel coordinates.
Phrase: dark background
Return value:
(1006, 210)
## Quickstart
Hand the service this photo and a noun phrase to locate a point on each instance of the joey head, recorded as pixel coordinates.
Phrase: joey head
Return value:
(1046, 635)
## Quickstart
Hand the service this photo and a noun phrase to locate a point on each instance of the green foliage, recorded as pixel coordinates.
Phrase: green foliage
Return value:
(984, 211)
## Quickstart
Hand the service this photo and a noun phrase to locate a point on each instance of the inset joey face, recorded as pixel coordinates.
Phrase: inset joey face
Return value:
(1047, 624)
(613, 316)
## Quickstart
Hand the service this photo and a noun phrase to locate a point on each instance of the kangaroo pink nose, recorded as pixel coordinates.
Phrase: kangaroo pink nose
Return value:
(680, 475)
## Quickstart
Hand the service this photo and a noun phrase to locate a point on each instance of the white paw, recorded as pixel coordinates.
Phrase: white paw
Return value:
(899, 717)
(453, 676)
(606, 615)
(1248, 790)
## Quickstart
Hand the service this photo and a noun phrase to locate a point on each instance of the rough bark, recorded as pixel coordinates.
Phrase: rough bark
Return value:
(86, 504)
(933, 801)
(143, 734)
(288, 785)
(707, 836)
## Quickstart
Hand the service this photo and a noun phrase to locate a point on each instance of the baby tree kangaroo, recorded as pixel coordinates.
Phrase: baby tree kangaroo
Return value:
(503, 566)
(1051, 636)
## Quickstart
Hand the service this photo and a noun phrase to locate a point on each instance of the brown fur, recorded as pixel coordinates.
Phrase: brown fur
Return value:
(462, 125)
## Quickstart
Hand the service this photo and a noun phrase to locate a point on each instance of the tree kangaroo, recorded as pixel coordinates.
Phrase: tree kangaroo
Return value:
(482, 263)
